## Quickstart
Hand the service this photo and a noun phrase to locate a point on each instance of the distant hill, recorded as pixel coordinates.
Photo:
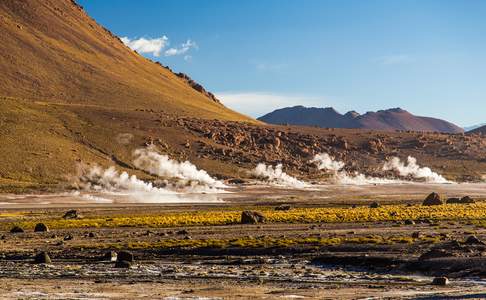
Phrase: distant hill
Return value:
(479, 130)
(471, 128)
(388, 120)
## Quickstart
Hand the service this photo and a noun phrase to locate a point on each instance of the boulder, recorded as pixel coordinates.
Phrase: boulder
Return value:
(110, 256)
(41, 227)
(252, 217)
(42, 258)
(283, 207)
(467, 200)
(453, 200)
(374, 205)
(70, 214)
(442, 281)
(17, 229)
(123, 264)
(409, 222)
(125, 256)
(473, 240)
(416, 235)
(432, 199)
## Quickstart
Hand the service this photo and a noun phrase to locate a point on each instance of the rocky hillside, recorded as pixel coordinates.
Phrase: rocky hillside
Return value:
(72, 94)
(388, 120)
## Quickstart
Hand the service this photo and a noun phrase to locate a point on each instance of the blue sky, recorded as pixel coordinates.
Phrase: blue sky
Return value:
(426, 56)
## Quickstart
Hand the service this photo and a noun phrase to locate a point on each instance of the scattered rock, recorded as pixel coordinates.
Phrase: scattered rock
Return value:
(283, 207)
(182, 232)
(125, 256)
(236, 181)
(473, 240)
(41, 227)
(467, 200)
(374, 205)
(17, 229)
(42, 258)
(110, 256)
(122, 264)
(442, 281)
(70, 214)
(252, 217)
(463, 200)
(453, 200)
(432, 199)
(416, 235)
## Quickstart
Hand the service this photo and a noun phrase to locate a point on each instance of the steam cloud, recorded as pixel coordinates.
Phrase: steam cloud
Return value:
(277, 176)
(184, 178)
(161, 165)
(412, 169)
(326, 162)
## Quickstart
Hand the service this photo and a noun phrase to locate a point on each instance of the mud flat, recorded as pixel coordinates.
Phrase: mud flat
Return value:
(326, 243)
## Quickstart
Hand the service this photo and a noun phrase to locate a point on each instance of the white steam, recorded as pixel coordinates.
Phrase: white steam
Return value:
(326, 162)
(277, 176)
(161, 165)
(412, 169)
(177, 180)
(110, 180)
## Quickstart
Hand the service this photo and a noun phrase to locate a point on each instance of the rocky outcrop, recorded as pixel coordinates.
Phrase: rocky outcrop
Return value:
(198, 87)
(432, 199)
(252, 217)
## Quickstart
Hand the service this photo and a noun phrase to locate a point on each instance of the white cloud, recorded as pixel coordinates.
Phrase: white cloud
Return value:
(395, 59)
(143, 45)
(157, 45)
(183, 49)
(256, 104)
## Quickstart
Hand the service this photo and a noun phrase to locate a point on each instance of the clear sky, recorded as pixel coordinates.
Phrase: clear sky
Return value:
(426, 56)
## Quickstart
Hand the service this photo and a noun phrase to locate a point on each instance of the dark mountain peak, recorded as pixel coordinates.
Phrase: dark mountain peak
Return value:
(352, 114)
(389, 119)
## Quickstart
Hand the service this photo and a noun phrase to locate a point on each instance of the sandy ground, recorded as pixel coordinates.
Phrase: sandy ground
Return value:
(78, 273)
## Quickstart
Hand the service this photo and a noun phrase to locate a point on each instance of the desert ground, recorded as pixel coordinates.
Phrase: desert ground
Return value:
(325, 242)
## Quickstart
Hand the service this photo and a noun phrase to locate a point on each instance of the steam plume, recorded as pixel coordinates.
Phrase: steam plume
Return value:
(161, 165)
(326, 162)
(277, 177)
(412, 169)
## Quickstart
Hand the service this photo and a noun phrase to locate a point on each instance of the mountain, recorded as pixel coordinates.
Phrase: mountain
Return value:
(471, 128)
(388, 120)
(481, 130)
(69, 89)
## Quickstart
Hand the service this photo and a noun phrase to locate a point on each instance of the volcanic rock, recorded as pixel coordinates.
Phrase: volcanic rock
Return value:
(70, 214)
(473, 240)
(125, 256)
(252, 217)
(374, 205)
(123, 264)
(432, 199)
(283, 207)
(442, 281)
(42, 258)
(41, 227)
(17, 229)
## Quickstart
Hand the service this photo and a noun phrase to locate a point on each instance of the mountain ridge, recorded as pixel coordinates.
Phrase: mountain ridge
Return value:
(387, 120)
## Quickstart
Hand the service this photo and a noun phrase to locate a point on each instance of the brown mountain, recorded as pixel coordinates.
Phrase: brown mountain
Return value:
(71, 93)
(388, 120)
(481, 130)
(69, 88)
